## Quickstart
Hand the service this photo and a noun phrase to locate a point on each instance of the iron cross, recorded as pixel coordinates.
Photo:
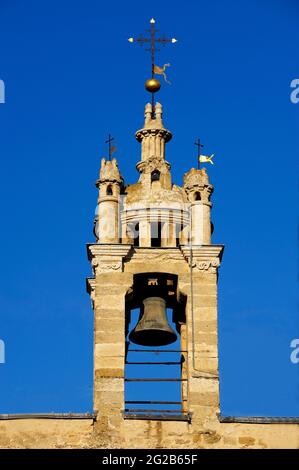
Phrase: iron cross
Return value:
(109, 141)
(199, 146)
(152, 40)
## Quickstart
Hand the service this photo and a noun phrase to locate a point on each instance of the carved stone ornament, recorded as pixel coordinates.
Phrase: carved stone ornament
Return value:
(109, 171)
(196, 178)
(102, 267)
(163, 196)
(108, 267)
(153, 163)
(206, 265)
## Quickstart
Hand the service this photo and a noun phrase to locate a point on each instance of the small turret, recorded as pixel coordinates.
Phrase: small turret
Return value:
(110, 184)
(199, 191)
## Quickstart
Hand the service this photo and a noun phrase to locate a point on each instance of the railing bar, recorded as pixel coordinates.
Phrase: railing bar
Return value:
(159, 417)
(135, 410)
(159, 363)
(155, 380)
(148, 402)
(157, 350)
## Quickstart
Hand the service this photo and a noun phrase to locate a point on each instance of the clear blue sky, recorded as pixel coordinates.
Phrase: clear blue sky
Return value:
(71, 77)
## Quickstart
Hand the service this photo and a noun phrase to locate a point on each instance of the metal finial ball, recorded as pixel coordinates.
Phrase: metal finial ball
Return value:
(152, 85)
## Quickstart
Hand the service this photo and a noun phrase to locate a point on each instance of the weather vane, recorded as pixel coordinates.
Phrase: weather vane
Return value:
(111, 149)
(153, 85)
(202, 158)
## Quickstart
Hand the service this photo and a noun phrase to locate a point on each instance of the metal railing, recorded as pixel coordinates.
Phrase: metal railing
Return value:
(152, 412)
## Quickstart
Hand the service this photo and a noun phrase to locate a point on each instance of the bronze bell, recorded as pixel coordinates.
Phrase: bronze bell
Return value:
(152, 328)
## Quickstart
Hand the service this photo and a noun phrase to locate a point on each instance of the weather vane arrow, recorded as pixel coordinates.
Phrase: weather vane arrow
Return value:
(153, 85)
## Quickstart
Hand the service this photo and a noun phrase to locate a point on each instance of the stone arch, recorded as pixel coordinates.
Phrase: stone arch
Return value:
(109, 190)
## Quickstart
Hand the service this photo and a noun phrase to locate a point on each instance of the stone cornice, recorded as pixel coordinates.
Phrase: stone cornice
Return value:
(204, 257)
(163, 254)
(145, 132)
(107, 249)
(107, 257)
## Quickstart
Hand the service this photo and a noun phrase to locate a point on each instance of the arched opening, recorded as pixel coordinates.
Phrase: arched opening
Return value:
(155, 175)
(135, 232)
(197, 196)
(155, 372)
(109, 190)
(156, 234)
(178, 231)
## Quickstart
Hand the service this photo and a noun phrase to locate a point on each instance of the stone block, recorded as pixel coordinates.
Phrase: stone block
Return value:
(247, 441)
(208, 326)
(202, 300)
(109, 350)
(110, 325)
(211, 437)
(123, 279)
(206, 364)
(206, 350)
(208, 339)
(112, 289)
(205, 313)
(109, 372)
(199, 384)
(109, 384)
(204, 398)
(205, 277)
(108, 402)
(204, 415)
(230, 441)
(102, 311)
(111, 362)
(116, 302)
(102, 337)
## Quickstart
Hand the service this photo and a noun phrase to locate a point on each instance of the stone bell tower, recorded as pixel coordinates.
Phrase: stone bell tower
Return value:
(153, 252)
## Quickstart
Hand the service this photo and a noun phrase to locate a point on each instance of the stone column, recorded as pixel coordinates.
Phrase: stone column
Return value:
(144, 233)
(127, 233)
(168, 235)
(184, 237)
(108, 220)
(206, 230)
(200, 223)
